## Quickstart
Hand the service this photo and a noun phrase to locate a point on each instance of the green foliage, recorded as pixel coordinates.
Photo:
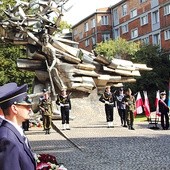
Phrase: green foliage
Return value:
(65, 25)
(9, 71)
(156, 79)
(119, 47)
(5, 4)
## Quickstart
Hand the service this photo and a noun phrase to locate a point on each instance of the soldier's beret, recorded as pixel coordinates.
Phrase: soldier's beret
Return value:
(10, 94)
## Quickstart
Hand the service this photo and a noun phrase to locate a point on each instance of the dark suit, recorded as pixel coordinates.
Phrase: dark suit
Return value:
(163, 108)
(14, 153)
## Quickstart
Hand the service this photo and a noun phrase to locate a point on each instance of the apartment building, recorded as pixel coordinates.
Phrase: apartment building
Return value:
(142, 20)
(134, 20)
(93, 29)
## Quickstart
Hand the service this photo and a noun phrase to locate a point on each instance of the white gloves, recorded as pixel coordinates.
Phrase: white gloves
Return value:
(106, 102)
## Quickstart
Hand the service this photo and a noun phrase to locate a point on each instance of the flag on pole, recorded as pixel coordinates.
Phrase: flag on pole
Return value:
(138, 104)
(146, 104)
(157, 103)
(169, 94)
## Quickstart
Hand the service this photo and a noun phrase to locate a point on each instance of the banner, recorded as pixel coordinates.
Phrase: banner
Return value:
(169, 94)
(139, 104)
(157, 103)
(146, 104)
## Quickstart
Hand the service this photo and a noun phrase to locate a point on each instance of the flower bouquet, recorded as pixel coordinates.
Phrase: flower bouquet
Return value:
(48, 162)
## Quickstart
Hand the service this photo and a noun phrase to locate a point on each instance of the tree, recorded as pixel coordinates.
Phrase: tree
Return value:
(156, 79)
(9, 71)
(119, 47)
(64, 25)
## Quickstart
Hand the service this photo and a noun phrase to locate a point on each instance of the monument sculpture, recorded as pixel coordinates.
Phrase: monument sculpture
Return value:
(56, 61)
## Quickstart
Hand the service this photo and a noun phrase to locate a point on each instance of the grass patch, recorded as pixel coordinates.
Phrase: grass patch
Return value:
(140, 118)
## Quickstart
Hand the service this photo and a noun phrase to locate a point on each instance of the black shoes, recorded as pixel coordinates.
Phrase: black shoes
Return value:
(47, 132)
(131, 128)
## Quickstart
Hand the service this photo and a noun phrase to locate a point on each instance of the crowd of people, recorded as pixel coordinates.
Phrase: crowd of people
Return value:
(122, 99)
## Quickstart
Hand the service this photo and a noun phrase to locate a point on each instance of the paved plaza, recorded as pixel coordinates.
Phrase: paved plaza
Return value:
(90, 145)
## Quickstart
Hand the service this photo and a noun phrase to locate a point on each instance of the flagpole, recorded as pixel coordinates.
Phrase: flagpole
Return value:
(169, 94)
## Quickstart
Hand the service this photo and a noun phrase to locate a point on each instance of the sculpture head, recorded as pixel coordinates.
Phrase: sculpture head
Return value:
(45, 38)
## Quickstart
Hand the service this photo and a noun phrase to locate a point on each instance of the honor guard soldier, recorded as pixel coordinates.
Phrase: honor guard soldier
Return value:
(129, 100)
(46, 110)
(108, 98)
(63, 100)
(15, 152)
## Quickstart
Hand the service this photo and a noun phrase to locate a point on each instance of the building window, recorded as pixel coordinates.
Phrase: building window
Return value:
(167, 34)
(115, 17)
(142, 1)
(104, 20)
(86, 27)
(156, 39)
(80, 35)
(134, 33)
(145, 40)
(155, 17)
(87, 42)
(75, 32)
(133, 13)
(105, 37)
(116, 33)
(124, 9)
(93, 23)
(124, 28)
(167, 9)
(93, 40)
(144, 20)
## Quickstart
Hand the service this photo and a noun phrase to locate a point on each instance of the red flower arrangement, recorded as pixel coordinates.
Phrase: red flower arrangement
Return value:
(48, 162)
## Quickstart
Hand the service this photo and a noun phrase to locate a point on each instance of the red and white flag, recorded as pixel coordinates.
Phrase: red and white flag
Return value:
(139, 104)
(146, 104)
(157, 103)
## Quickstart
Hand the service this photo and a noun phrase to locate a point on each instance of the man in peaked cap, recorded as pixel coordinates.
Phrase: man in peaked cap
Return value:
(164, 110)
(121, 106)
(15, 154)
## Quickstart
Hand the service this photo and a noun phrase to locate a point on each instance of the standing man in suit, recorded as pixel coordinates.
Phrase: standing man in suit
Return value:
(164, 110)
(121, 106)
(15, 152)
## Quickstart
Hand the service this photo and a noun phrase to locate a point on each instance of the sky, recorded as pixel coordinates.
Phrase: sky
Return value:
(83, 8)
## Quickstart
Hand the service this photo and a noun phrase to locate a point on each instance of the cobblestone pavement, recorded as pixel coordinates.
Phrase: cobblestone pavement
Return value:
(91, 145)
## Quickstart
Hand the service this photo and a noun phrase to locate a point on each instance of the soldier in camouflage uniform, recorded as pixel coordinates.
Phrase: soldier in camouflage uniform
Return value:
(46, 107)
(129, 100)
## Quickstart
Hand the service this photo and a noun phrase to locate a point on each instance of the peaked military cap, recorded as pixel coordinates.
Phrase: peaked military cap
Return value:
(121, 89)
(163, 93)
(10, 94)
